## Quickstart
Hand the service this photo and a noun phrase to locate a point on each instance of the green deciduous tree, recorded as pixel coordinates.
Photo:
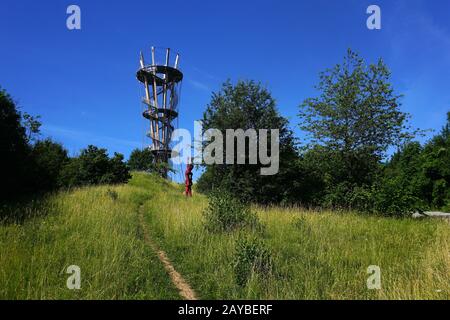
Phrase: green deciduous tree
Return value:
(423, 172)
(356, 118)
(14, 150)
(49, 158)
(142, 160)
(248, 105)
(118, 170)
(93, 166)
(32, 125)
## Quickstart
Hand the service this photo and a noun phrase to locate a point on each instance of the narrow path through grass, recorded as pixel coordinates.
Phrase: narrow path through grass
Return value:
(177, 279)
(95, 228)
(113, 232)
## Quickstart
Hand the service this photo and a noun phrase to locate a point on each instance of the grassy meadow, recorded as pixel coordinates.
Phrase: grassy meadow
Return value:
(90, 228)
(315, 255)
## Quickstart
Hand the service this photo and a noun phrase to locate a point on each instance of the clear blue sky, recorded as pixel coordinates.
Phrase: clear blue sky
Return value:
(83, 82)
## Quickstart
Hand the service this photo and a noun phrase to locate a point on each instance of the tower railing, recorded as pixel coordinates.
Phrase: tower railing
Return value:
(162, 84)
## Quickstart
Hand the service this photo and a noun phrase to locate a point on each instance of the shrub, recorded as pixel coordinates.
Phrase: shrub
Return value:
(387, 197)
(118, 169)
(226, 213)
(392, 198)
(252, 256)
(14, 150)
(249, 105)
(142, 160)
(93, 167)
(112, 194)
(49, 158)
(302, 225)
(338, 196)
(446, 208)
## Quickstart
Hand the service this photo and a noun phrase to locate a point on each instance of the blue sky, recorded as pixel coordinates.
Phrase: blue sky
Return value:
(83, 83)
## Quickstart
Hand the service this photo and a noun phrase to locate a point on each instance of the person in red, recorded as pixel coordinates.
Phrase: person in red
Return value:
(188, 181)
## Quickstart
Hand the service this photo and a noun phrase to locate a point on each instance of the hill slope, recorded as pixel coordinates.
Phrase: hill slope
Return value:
(315, 256)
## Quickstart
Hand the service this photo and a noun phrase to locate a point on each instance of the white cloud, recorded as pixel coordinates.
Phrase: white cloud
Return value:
(199, 85)
(87, 137)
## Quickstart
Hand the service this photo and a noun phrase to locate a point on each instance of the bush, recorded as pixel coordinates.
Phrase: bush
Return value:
(14, 151)
(252, 256)
(93, 167)
(142, 160)
(112, 194)
(391, 198)
(446, 208)
(361, 199)
(249, 105)
(49, 158)
(387, 197)
(339, 196)
(118, 170)
(226, 213)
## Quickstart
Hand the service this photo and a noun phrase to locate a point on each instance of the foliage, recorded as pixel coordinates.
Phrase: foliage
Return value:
(15, 151)
(32, 166)
(49, 158)
(391, 198)
(325, 256)
(118, 170)
(252, 256)
(415, 179)
(112, 194)
(423, 173)
(355, 118)
(141, 160)
(226, 213)
(32, 125)
(92, 167)
(248, 105)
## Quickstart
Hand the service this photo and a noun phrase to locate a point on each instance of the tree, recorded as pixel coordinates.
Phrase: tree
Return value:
(94, 163)
(93, 167)
(247, 105)
(49, 158)
(141, 160)
(416, 178)
(356, 118)
(43, 166)
(436, 168)
(32, 126)
(402, 188)
(14, 150)
(119, 172)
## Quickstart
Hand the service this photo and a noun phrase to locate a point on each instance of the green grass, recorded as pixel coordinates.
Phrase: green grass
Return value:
(88, 228)
(315, 255)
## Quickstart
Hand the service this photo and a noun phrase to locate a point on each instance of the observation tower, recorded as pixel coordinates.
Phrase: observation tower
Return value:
(162, 81)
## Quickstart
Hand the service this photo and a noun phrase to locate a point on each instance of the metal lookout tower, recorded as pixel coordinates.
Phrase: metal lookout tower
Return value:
(162, 83)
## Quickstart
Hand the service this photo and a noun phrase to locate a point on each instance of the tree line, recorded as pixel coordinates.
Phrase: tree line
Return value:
(343, 160)
(33, 166)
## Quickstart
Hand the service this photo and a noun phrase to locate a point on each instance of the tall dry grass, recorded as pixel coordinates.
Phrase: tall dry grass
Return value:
(315, 255)
(95, 228)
